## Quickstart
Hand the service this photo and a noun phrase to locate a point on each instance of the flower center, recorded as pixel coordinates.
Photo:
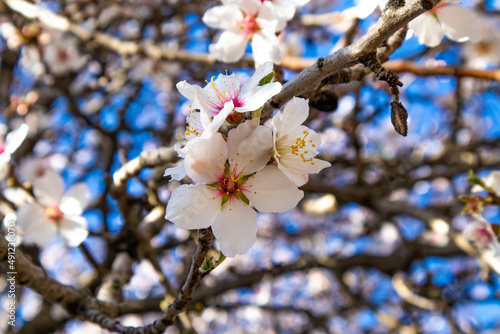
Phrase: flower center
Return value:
(301, 147)
(54, 213)
(62, 55)
(248, 25)
(230, 188)
(224, 95)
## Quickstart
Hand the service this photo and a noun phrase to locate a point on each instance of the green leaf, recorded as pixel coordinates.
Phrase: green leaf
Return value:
(224, 200)
(267, 79)
(207, 265)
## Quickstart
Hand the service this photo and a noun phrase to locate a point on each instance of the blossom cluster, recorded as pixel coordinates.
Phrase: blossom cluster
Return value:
(250, 166)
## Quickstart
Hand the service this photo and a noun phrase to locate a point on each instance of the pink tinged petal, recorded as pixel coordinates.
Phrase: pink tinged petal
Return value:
(271, 191)
(193, 207)
(73, 230)
(206, 158)
(230, 47)
(257, 97)
(427, 29)
(222, 17)
(49, 188)
(480, 233)
(37, 229)
(235, 228)
(75, 200)
(15, 138)
(249, 147)
(218, 120)
(265, 47)
(459, 23)
(176, 173)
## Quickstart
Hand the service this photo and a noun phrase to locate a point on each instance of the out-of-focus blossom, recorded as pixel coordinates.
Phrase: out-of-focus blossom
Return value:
(32, 168)
(492, 181)
(296, 145)
(54, 212)
(244, 21)
(460, 24)
(61, 54)
(8, 146)
(285, 10)
(229, 177)
(480, 233)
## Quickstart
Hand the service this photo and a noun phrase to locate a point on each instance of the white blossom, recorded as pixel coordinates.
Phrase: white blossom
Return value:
(62, 55)
(296, 145)
(244, 21)
(229, 176)
(54, 212)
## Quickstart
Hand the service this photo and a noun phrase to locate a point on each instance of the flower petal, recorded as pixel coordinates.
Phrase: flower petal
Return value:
(428, 29)
(205, 158)
(193, 207)
(73, 230)
(216, 123)
(222, 17)
(37, 229)
(271, 191)
(258, 96)
(176, 173)
(295, 113)
(75, 200)
(249, 147)
(15, 138)
(248, 6)
(49, 188)
(265, 47)
(235, 228)
(459, 23)
(261, 72)
(230, 47)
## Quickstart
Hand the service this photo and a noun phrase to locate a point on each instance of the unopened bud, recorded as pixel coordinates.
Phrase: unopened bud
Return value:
(399, 118)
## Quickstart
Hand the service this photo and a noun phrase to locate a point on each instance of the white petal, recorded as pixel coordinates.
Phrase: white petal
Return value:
(295, 112)
(259, 96)
(230, 47)
(261, 72)
(235, 228)
(249, 147)
(37, 229)
(75, 200)
(189, 91)
(459, 23)
(15, 138)
(218, 119)
(176, 173)
(49, 188)
(267, 12)
(427, 29)
(205, 158)
(73, 230)
(265, 47)
(271, 191)
(248, 6)
(193, 207)
(222, 17)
